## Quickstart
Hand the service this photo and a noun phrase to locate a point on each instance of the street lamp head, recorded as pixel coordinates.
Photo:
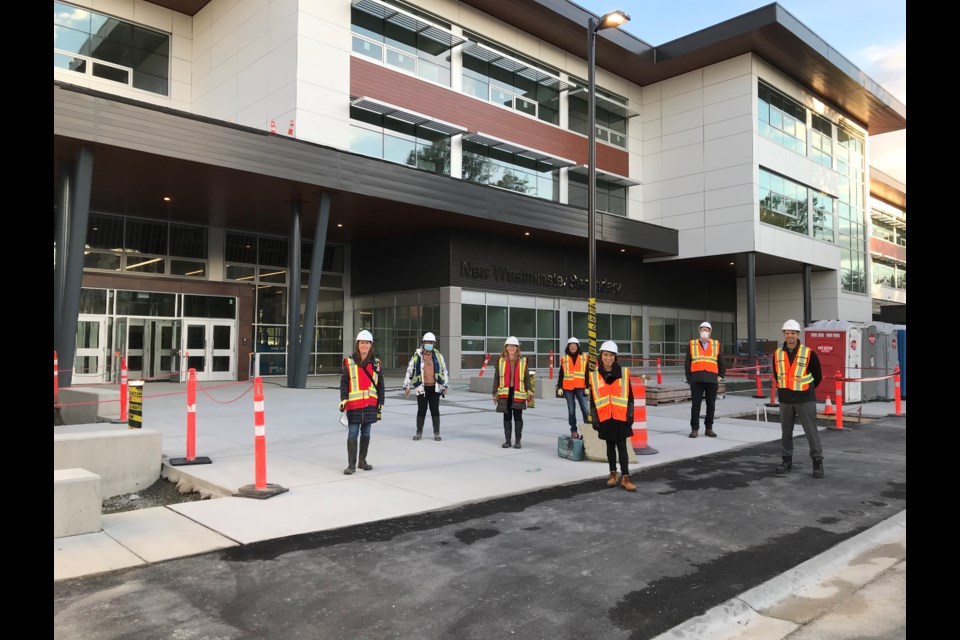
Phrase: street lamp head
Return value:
(613, 19)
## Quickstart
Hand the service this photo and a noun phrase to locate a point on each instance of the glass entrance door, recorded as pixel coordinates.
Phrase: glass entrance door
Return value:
(150, 347)
(90, 360)
(208, 346)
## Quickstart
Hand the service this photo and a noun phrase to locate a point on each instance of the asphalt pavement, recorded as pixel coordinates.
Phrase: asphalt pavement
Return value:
(463, 539)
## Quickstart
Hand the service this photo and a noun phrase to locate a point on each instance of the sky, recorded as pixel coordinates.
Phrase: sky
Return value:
(872, 34)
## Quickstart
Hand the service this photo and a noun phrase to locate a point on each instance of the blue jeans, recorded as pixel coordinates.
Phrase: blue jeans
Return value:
(580, 396)
(357, 428)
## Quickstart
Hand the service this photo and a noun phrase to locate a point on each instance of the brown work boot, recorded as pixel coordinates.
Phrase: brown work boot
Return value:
(694, 433)
(710, 433)
(613, 479)
(626, 483)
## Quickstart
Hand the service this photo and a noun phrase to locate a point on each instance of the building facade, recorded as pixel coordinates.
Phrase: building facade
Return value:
(242, 185)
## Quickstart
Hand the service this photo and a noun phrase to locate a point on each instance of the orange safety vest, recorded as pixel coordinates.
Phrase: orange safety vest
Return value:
(794, 377)
(574, 375)
(362, 391)
(611, 400)
(701, 360)
(520, 387)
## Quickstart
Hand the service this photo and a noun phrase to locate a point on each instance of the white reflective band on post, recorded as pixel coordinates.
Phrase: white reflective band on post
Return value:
(191, 408)
(259, 431)
(640, 402)
(258, 405)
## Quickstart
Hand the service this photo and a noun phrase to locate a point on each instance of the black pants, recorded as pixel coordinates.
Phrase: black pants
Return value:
(697, 391)
(615, 447)
(429, 398)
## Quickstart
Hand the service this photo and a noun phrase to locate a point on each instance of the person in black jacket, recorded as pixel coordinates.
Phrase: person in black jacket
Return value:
(798, 373)
(361, 396)
(611, 407)
(704, 369)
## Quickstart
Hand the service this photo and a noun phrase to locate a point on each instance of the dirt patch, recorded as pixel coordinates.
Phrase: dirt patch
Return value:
(773, 416)
(161, 493)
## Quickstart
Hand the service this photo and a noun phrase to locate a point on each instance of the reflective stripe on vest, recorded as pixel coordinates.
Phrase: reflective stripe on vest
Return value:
(362, 391)
(701, 360)
(574, 375)
(794, 377)
(611, 400)
(438, 370)
(520, 387)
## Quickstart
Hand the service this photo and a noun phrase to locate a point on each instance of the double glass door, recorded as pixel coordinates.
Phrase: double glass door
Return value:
(152, 348)
(208, 347)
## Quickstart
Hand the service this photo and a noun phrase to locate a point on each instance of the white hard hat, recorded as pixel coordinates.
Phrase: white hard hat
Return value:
(429, 337)
(610, 346)
(512, 340)
(365, 335)
(706, 324)
(791, 325)
(573, 341)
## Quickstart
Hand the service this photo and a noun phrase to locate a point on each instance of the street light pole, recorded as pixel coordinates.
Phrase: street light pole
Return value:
(594, 25)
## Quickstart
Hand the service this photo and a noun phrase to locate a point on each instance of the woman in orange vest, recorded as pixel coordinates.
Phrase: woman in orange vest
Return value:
(572, 384)
(512, 388)
(361, 396)
(611, 406)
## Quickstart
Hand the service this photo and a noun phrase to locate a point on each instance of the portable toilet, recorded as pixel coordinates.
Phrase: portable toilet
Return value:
(879, 358)
(900, 344)
(839, 347)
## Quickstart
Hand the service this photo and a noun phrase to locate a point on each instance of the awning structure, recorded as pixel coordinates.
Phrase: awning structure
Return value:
(612, 178)
(524, 152)
(405, 115)
(513, 65)
(408, 21)
(893, 220)
(607, 104)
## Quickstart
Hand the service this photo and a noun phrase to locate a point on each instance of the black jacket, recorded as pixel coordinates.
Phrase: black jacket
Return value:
(366, 415)
(612, 429)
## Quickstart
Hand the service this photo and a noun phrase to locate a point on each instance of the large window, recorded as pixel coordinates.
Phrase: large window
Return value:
(115, 243)
(391, 139)
(611, 198)
(487, 76)
(403, 39)
(821, 140)
(889, 274)
(782, 119)
(100, 46)
(487, 165)
(611, 125)
(783, 202)
(851, 232)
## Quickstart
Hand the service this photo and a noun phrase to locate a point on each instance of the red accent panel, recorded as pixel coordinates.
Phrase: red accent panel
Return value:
(888, 249)
(380, 83)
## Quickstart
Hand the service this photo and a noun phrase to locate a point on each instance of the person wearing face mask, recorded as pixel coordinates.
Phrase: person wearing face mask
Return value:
(427, 376)
(512, 389)
(703, 369)
(611, 407)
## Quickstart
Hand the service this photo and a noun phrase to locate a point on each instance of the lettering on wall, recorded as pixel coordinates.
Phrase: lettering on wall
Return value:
(500, 273)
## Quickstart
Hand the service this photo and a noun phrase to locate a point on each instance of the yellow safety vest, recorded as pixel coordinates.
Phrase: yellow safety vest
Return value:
(611, 400)
(794, 377)
(574, 375)
(701, 360)
(520, 386)
(362, 391)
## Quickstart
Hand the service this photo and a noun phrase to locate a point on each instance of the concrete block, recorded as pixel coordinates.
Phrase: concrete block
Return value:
(127, 460)
(596, 449)
(76, 502)
(482, 384)
(89, 404)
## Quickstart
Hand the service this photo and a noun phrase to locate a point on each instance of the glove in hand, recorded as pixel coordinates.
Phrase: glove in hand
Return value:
(559, 393)
(343, 405)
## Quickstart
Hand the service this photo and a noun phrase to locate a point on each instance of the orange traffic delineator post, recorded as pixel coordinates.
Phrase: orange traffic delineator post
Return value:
(759, 393)
(290, 129)
(639, 439)
(260, 488)
(839, 393)
(551, 364)
(773, 392)
(191, 425)
(484, 367)
(896, 391)
(56, 379)
(273, 126)
(123, 390)
(659, 373)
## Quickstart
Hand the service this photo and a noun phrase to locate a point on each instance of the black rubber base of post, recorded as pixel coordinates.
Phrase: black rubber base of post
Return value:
(176, 462)
(251, 491)
(646, 451)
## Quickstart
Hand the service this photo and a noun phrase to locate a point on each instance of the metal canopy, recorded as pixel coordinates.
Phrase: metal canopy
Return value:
(612, 178)
(405, 115)
(408, 21)
(607, 104)
(513, 65)
(524, 152)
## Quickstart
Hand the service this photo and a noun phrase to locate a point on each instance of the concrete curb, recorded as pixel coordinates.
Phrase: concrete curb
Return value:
(733, 618)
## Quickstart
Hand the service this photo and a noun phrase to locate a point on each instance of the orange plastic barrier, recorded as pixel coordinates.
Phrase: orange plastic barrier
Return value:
(191, 425)
(639, 439)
